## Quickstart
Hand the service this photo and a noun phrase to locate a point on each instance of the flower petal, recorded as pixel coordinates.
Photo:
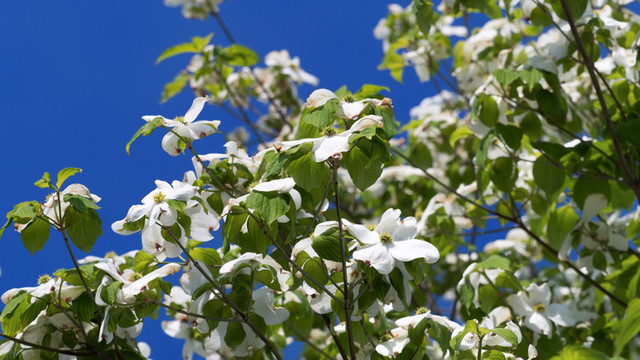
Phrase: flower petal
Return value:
(195, 109)
(377, 256)
(413, 249)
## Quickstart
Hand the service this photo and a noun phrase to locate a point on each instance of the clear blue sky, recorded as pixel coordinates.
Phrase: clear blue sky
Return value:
(77, 75)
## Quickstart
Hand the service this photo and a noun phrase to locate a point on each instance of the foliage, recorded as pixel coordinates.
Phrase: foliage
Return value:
(362, 242)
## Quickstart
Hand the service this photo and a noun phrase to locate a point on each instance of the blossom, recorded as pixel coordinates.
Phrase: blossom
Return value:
(184, 126)
(536, 311)
(289, 66)
(390, 241)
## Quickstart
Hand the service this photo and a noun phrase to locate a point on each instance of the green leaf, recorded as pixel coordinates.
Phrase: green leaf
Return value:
(561, 222)
(6, 225)
(110, 291)
(80, 202)
(394, 63)
(423, 11)
(505, 77)
(506, 334)
(25, 211)
(630, 326)
(495, 262)
(321, 116)
(488, 111)
(209, 257)
(64, 174)
(466, 295)
(235, 334)
(511, 135)
(629, 130)
(11, 318)
(307, 173)
(145, 130)
(270, 205)
(576, 8)
(196, 45)
(35, 235)
(83, 307)
(440, 334)
(483, 149)
(83, 229)
(552, 108)
(45, 182)
(585, 187)
(541, 17)
(469, 327)
(174, 87)
(459, 133)
(365, 160)
(238, 55)
(369, 91)
(493, 355)
(531, 126)
(504, 174)
(548, 176)
(577, 352)
(327, 245)
(416, 334)
(317, 272)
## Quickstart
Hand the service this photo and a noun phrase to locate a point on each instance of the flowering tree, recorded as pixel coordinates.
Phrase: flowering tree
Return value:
(356, 233)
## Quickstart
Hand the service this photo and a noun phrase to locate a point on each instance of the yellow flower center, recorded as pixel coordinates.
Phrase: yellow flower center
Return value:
(135, 276)
(43, 279)
(386, 238)
(328, 131)
(539, 307)
(110, 255)
(159, 197)
(421, 310)
(371, 227)
(179, 119)
(386, 336)
(348, 99)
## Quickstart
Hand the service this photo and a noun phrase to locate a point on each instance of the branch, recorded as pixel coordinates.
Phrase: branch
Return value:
(42, 347)
(345, 279)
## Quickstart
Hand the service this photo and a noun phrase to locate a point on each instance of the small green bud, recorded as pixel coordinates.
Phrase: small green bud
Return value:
(386, 238)
(329, 130)
(44, 279)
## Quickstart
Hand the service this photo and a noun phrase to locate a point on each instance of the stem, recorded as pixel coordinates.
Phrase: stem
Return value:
(336, 340)
(605, 110)
(41, 347)
(223, 296)
(347, 295)
(293, 263)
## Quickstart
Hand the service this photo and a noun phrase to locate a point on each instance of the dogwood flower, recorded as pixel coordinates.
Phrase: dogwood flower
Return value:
(184, 126)
(536, 311)
(390, 241)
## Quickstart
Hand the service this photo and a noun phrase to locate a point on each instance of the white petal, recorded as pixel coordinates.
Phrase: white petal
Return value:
(319, 97)
(280, 185)
(195, 109)
(389, 221)
(560, 315)
(413, 249)
(201, 129)
(362, 234)
(377, 256)
(328, 146)
(170, 144)
(538, 323)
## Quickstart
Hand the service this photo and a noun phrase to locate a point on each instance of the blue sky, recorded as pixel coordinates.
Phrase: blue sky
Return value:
(78, 75)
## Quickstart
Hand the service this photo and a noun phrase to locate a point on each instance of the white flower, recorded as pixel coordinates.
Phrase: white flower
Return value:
(185, 127)
(536, 311)
(390, 241)
(50, 207)
(290, 67)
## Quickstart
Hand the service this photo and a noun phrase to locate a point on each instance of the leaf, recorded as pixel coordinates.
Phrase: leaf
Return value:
(11, 318)
(466, 295)
(238, 55)
(531, 126)
(317, 272)
(495, 262)
(110, 291)
(83, 307)
(145, 130)
(235, 334)
(270, 205)
(629, 130)
(551, 107)
(174, 87)
(209, 257)
(630, 326)
(64, 174)
(493, 355)
(505, 76)
(561, 222)
(483, 149)
(35, 235)
(504, 174)
(369, 91)
(423, 11)
(511, 135)
(196, 45)
(327, 245)
(394, 63)
(321, 116)
(488, 111)
(506, 334)
(548, 176)
(416, 334)
(83, 229)
(80, 202)
(469, 327)
(585, 187)
(307, 173)
(576, 8)
(577, 352)
(459, 133)
(365, 160)
(45, 182)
